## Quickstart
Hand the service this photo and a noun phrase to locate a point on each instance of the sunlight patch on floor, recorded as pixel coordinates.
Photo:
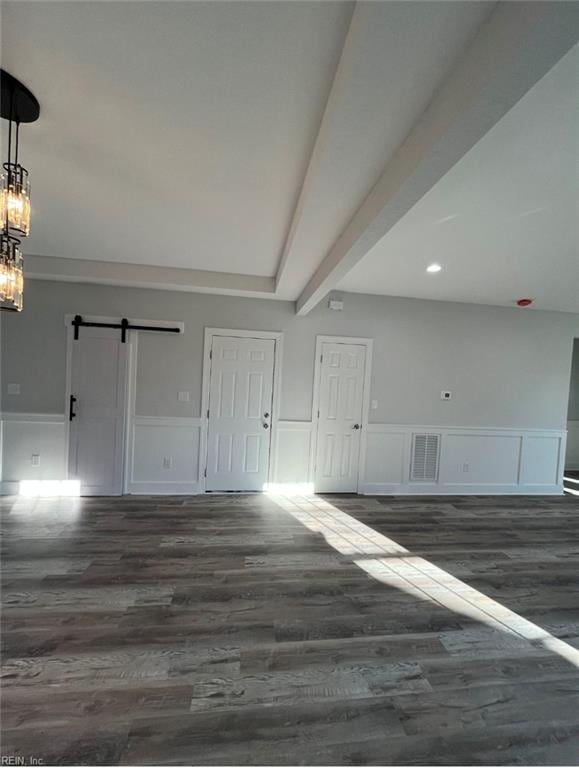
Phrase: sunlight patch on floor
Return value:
(392, 564)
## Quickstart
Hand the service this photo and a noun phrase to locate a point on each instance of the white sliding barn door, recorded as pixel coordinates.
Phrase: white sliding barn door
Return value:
(341, 396)
(240, 413)
(96, 434)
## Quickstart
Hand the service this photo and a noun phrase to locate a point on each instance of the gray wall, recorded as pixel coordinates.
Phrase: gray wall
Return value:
(506, 367)
(573, 413)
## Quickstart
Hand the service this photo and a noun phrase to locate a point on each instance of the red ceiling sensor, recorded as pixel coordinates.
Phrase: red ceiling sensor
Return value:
(524, 302)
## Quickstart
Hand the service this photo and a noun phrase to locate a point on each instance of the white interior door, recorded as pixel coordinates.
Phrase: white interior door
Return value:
(240, 404)
(97, 413)
(341, 396)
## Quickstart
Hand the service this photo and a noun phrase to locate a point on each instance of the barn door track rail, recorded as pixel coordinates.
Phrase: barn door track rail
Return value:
(124, 326)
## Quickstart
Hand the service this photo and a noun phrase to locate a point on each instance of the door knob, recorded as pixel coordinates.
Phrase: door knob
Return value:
(356, 426)
(265, 426)
(266, 415)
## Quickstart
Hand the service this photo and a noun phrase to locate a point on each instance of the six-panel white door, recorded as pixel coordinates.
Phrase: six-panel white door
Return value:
(341, 395)
(97, 413)
(240, 406)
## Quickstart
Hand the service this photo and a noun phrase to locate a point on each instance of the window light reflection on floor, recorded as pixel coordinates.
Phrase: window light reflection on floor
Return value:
(571, 490)
(392, 564)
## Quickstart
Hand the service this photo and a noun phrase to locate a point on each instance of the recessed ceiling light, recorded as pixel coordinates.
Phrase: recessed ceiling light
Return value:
(433, 268)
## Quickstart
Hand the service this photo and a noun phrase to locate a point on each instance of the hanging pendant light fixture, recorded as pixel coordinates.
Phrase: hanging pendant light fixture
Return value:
(18, 105)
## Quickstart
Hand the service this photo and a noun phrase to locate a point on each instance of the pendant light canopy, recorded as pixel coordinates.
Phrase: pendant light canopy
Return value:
(18, 105)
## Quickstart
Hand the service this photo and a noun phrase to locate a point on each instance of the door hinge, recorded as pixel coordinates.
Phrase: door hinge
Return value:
(211, 354)
(321, 358)
(208, 413)
(205, 472)
(318, 414)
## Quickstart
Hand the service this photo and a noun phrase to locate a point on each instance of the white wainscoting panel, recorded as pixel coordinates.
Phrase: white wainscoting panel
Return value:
(472, 461)
(480, 458)
(25, 435)
(156, 442)
(387, 457)
(541, 460)
(572, 457)
(292, 457)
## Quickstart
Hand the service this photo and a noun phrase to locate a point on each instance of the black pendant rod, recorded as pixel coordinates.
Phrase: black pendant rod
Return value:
(123, 326)
(17, 143)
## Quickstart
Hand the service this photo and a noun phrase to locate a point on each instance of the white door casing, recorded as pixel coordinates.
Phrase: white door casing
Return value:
(342, 369)
(240, 412)
(96, 436)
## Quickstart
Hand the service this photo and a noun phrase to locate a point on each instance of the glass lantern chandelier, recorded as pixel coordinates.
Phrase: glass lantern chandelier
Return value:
(18, 106)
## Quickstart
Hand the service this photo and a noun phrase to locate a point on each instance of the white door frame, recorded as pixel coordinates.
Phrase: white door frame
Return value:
(277, 336)
(130, 383)
(362, 341)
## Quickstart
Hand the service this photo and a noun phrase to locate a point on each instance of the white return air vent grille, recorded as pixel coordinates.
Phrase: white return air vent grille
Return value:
(425, 452)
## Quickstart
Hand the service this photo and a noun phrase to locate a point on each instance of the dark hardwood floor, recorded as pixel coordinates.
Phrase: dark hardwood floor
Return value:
(247, 630)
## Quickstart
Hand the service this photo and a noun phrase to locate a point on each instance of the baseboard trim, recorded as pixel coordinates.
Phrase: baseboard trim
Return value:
(154, 488)
(385, 489)
(10, 488)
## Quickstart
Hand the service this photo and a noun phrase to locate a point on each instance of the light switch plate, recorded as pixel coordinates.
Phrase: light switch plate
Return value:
(35, 460)
(183, 397)
(374, 405)
(13, 389)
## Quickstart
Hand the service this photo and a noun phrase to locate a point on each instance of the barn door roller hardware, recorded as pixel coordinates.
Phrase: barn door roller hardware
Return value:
(123, 326)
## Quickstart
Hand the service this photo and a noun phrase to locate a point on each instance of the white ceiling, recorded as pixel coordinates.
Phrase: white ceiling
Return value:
(171, 133)
(398, 54)
(225, 139)
(503, 223)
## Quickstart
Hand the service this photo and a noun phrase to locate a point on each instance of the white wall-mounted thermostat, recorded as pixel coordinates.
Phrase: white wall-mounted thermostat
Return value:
(446, 394)
(336, 304)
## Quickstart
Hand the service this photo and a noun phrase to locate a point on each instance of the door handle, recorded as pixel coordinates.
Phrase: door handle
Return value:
(266, 415)
(356, 426)
(71, 413)
(265, 426)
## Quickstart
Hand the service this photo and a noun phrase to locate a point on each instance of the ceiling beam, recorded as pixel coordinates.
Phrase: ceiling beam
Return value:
(520, 42)
(145, 276)
(341, 76)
